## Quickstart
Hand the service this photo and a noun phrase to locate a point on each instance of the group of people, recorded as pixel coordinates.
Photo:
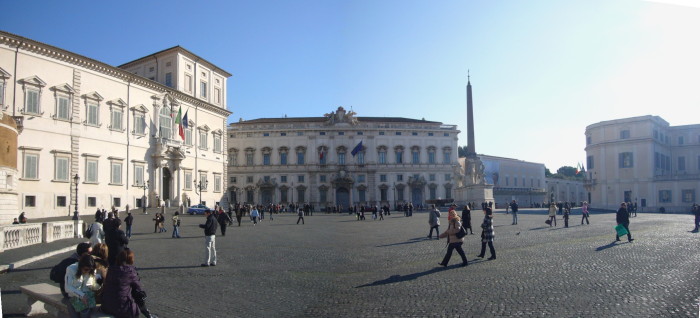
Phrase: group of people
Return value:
(463, 223)
(102, 272)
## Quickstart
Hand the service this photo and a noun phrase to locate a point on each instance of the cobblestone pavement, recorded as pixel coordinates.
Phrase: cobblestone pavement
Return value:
(335, 266)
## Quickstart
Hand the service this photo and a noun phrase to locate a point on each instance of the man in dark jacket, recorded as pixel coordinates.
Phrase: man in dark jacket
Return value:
(696, 211)
(209, 238)
(224, 220)
(623, 217)
(129, 220)
(514, 208)
(116, 240)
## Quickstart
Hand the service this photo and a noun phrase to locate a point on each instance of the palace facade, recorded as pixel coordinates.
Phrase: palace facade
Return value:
(99, 136)
(341, 160)
(643, 160)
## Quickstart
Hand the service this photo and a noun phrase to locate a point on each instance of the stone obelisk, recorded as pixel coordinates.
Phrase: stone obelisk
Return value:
(474, 187)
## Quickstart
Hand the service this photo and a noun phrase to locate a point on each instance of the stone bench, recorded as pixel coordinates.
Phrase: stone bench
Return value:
(47, 299)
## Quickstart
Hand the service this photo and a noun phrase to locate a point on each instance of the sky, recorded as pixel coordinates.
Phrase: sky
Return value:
(541, 70)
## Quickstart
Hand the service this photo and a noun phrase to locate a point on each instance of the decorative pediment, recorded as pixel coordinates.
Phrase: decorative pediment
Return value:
(139, 108)
(33, 80)
(383, 186)
(166, 98)
(323, 188)
(117, 102)
(190, 123)
(362, 187)
(63, 88)
(94, 96)
(270, 183)
(218, 132)
(4, 74)
(205, 128)
(233, 150)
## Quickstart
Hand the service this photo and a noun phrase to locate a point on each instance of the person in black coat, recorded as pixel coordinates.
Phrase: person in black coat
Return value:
(696, 211)
(224, 220)
(623, 217)
(467, 219)
(116, 241)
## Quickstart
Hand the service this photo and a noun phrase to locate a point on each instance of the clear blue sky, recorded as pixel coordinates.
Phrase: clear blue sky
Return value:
(541, 70)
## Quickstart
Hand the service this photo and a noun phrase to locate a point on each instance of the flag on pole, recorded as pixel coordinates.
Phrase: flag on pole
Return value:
(185, 121)
(321, 155)
(178, 121)
(357, 149)
(578, 168)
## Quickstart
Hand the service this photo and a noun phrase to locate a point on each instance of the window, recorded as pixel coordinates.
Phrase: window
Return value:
(61, 169)
(169, 79)
(61, 201)
(139, 175)
(217, 143)
(283, 179)
(341, 133)
(322, 133)
(665, 196)
(217, 183)
(203, 181)
(116, 117)
(301, 193)
(398, 133)
(399, 194)
(398, 153)
(31, 166)
(507, 181)
(116, 175)
(283, 158)
(680, 140)
(217, 95)
(188, 180)
(322, 178)
(383, 194)
(360, 178)
(431, 156)
(382, 178)
(399, 177)
(624, 134)
(203, 89)
(362, 194)
(359, 133)
(139, 123)
(2, 91)
(625, 159)
(688, 196)
(283, 195)
(381, 133)
(341, 158)
(448, 192)
(188, 136)
(446, 134)
(165, 122)
(300, 133)
(266, 159)
(29, 201)
(62, 107)
(681, 163)
(93, 114)
(448, 177)
(203, 139)
(249, 158)
(249, 179)
(361, 157)
(433, 193)
(323, 194)
(92, 202)
(233, 180)
(188, 83)
(446, 156)
(117, 202)
(266, 134)
(414, 134)
(382, 156)
(300, 158)
(31, 101)
(431, 177)
(300, 178)
(283, 134)
(589, 162)
(91, 171)
(515, 181)
(588, 140)
(415, 156)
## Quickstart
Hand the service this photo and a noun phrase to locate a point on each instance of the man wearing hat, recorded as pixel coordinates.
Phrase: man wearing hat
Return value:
(209, 238)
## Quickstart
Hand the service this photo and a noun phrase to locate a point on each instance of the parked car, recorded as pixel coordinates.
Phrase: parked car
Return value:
(197, 209)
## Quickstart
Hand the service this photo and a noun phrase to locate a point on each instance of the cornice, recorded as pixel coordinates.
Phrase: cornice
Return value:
(56, 53)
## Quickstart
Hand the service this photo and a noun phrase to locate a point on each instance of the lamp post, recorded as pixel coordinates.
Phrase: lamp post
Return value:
(144, 200)
(201, 185)
(76, 215)
(393, 187)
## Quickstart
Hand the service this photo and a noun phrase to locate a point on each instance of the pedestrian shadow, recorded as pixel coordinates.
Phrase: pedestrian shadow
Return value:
(410, 241)
(605, 247)
(165, 267)
(17, 270)
(401, 278)
(540, 228)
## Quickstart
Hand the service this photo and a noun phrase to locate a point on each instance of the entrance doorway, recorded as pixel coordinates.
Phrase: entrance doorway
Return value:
(167, 177)
(416, 196)
(342, 198)
(266, 196)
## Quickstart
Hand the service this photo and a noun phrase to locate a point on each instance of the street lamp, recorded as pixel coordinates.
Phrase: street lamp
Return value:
(393, 187)
(201, 185)
(144, 200)
(76, 215)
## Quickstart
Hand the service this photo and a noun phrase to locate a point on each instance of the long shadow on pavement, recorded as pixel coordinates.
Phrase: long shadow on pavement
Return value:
(605, 247)
(165, 267)
(411, 241)
(399, 278)
(29, 269)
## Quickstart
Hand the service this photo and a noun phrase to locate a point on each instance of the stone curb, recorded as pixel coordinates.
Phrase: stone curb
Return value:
(7, 268)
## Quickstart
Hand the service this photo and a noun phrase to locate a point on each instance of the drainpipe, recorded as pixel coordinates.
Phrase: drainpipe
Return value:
(14, 87)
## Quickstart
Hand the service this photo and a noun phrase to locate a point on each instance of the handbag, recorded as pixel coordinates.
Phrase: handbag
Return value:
(621, 230)
(78, 304)
(548, 221)
(462, 232)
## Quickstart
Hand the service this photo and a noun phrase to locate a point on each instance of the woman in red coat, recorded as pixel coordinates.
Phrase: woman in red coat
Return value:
(122, 295)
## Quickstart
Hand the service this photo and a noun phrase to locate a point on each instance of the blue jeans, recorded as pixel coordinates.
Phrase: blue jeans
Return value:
(515, 217)
(128, 231)
(176, 231)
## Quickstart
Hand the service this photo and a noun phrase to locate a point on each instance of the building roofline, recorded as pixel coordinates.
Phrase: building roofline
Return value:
(179, 49)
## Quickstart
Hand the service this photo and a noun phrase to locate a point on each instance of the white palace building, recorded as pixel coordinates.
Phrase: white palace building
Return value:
(341, 160)
(99, 136)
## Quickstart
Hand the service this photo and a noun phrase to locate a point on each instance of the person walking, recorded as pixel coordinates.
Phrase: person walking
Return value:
(696, 211)
(254, 214)
(223, 221)
(487, 234)
(209, 239)
(300, 213)
(434, 222)
(239, 214)
(623, 217)
(567, 211)
(98, 233)
(176, 225)
(156, 222)
(514, 209)
(467, 218)
(584, 212)
(129, 221)
(453, 243)
(552, 214)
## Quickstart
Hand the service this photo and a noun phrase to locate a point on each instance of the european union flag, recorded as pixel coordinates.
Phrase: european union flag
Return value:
(357, 149)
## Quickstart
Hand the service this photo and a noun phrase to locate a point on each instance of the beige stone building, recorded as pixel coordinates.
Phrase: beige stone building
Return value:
(114, 128)
(643, 160)
(310, 160)
(514, 179)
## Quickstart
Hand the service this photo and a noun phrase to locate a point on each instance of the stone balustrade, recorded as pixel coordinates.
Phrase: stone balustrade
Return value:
(19, 235)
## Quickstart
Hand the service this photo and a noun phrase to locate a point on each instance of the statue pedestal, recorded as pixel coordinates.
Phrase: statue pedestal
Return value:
(476, 193)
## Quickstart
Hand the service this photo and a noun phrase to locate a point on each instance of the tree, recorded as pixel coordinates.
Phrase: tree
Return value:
(567, 171)
(462, 151)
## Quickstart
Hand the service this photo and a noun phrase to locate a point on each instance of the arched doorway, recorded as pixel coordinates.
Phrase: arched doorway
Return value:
(342, 197)
(167, 177)
(266, 196)
(416, 196)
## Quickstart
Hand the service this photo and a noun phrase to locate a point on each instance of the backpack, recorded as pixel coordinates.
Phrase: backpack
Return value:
(88, 232)
(462, 232)
(58, 272)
